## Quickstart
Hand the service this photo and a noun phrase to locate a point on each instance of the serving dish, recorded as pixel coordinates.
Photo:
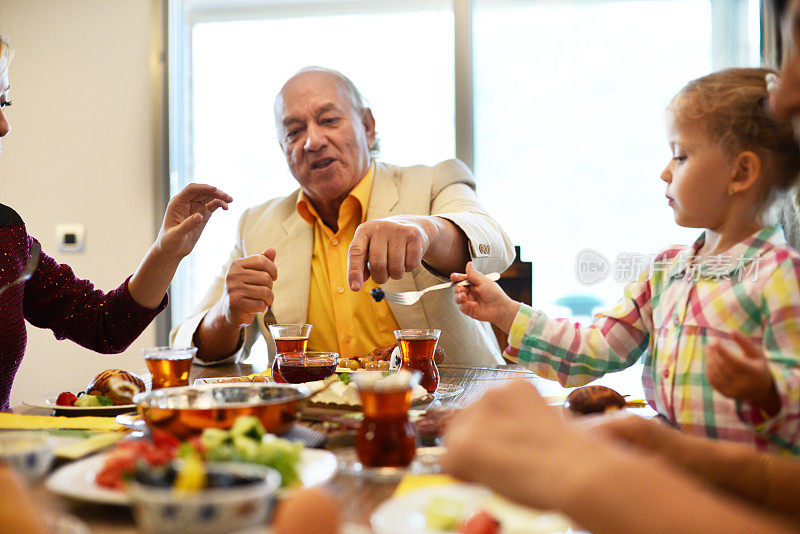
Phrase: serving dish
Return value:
(186, 411)
(49, 403)
(76, 480)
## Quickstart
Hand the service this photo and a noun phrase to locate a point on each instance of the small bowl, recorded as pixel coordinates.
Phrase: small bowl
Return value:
(186, 411)
(308, 366)
(29, 453)
(164, 510)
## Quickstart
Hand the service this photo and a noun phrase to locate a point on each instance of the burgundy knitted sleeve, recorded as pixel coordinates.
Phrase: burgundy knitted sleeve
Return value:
(74, 309)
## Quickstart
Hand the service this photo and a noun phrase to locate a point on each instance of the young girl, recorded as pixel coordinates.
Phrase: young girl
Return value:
(731, 159)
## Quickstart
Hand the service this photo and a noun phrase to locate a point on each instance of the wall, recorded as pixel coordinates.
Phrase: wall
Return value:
(85, 146)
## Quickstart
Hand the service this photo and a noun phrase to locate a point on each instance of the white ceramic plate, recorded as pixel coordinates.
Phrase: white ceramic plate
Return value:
(406, 514)
(77, 479)
(49, 403)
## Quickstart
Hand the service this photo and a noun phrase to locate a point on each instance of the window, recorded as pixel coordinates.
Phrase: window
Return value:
(238, 65)
(564, 109)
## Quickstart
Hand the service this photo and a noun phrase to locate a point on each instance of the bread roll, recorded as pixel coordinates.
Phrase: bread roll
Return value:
(594, 399)
(100, 385)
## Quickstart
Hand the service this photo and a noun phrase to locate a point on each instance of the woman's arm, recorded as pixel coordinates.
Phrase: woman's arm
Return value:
(186, 217)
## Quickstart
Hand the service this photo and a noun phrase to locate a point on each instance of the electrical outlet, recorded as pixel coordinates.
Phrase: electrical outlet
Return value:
(70, 237)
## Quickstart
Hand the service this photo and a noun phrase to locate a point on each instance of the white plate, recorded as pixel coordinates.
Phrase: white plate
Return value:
(77, 479)
(49, 403)
(406, 514)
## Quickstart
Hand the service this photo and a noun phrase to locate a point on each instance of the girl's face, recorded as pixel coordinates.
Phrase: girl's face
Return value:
(697, 177)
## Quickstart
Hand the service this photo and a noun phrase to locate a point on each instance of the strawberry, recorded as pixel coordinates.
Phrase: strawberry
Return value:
(66, 399)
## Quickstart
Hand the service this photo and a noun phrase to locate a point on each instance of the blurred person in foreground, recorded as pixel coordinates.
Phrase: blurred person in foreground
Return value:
(72, 308)
(602, 472)
(313, 256)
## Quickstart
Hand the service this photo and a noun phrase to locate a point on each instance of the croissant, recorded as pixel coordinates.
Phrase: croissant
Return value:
(101, 385)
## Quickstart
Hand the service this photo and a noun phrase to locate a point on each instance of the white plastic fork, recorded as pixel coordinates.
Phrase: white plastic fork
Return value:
(407, 298)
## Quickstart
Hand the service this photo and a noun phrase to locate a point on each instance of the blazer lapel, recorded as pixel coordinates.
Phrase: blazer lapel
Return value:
(293, 261)
(384, 201)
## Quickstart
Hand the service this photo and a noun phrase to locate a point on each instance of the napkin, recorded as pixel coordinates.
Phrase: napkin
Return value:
(39, 422)
(75, 450)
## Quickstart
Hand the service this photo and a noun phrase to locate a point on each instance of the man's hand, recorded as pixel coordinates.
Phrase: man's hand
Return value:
(186, 217)
(248, 288)
(386, 248)
(484, 300)
(742, 376)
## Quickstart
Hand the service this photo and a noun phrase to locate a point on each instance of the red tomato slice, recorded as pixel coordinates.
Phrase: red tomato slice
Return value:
(481, 522)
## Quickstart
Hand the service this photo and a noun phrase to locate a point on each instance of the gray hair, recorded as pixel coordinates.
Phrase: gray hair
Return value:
(357, 100)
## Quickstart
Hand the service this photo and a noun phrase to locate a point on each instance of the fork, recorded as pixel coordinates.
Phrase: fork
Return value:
(410, 297)
(27, 272)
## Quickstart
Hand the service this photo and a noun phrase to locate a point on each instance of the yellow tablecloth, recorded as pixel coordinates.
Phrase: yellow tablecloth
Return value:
(46, 422)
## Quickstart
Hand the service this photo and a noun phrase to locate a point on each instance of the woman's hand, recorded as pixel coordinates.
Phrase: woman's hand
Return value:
(186, 217)
(743, 376)
(484, 300)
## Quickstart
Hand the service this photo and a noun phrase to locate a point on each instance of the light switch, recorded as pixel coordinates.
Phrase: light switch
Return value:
(70, 237)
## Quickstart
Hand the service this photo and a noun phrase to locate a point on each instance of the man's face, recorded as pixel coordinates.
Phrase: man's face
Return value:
(325, 139)
(785, 100)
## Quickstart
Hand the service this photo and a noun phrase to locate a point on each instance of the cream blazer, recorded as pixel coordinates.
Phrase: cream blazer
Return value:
(446, 189)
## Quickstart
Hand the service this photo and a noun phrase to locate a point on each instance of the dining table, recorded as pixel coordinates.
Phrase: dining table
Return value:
(358, 496)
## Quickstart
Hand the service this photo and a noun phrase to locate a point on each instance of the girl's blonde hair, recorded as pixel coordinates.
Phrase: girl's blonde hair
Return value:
(731, 106)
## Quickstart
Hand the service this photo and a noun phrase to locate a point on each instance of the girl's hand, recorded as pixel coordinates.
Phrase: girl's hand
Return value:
(743, 376)
(484, 300)
(186, 217)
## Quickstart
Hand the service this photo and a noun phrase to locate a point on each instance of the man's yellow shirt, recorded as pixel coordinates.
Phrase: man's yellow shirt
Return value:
(344, 321)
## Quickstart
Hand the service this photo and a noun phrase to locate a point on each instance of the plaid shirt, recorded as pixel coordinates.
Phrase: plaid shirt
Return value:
(673, 310)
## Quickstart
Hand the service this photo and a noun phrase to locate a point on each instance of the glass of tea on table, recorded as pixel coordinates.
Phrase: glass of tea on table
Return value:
(309, 366)
(288, 338)
(386, 437)
(417, 347)
(168, 366)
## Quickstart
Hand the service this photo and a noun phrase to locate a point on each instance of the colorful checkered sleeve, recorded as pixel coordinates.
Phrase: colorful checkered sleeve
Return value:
(573, 355)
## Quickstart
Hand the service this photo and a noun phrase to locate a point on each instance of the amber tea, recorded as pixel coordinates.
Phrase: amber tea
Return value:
(418, 347)
(169, 367)
(288, 338)
(386, 437)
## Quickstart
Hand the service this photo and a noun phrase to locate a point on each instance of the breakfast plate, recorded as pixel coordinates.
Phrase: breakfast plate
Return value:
(406, 513)
(49, 403)
(77, 479)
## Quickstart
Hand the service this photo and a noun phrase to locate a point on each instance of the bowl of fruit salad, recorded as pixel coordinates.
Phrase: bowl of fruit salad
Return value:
(193, 496)
(30, 453)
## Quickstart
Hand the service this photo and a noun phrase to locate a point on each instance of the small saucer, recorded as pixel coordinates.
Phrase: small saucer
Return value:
(426, 461)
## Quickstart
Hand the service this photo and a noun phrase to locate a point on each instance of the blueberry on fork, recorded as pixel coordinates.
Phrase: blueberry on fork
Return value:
(377, 294)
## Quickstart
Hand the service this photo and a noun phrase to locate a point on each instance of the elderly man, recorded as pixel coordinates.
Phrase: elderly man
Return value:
(314, 256)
